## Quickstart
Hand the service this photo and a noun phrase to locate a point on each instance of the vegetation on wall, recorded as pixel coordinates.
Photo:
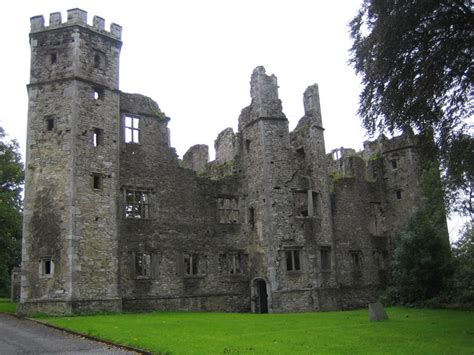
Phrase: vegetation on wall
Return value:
(11, 180)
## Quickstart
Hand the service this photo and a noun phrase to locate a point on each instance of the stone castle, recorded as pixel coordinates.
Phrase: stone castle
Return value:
(113, 220)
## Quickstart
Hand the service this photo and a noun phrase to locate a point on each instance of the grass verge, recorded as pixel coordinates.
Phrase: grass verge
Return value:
(7, 306)
(419, 331)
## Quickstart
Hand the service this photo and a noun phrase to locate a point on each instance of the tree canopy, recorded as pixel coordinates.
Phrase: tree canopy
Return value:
(416, 65)
(11, 180)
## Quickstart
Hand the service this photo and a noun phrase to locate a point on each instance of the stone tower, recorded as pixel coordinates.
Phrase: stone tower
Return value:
(70, 243)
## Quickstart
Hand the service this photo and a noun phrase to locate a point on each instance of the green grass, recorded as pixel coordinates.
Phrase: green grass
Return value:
(7, 306)
(408, 331)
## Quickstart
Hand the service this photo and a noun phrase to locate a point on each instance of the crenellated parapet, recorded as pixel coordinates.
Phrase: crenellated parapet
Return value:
(75, 17)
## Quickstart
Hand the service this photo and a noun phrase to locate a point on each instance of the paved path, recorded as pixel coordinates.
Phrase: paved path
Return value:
(22, 336)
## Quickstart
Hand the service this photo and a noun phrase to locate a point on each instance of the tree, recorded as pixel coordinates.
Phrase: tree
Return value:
(423, 265)
(11, 180)
(415, 61)
(463, 251)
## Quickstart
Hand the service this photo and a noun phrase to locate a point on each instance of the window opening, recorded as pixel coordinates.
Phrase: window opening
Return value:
(98, 94)
(191, 264)
(394, 164)
(247, 145)
(325, 259)
(356, 257)
(252, 217)
(49, 123)
(228, 210)
(292, 260)
(142, 265)
(132, 129)
(47, 267)
(136, 204)
(54, 58)
(96, 181)
(399, 194)
(97, 137)
(235, 266)
(97, 61)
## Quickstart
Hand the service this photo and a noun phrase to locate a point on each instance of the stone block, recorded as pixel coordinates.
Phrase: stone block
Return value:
(377, 312)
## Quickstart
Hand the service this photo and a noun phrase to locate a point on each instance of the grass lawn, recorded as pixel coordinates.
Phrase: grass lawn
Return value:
(7, 306)
(408, 331)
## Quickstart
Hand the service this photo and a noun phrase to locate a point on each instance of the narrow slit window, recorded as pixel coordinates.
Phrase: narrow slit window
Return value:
(49, 123)
(394, 164)
(97, 61)
(54, 58)
(132, 130)
(97, 137)
(398, 193)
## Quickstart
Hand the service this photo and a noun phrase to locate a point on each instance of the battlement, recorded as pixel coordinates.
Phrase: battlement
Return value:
(75, 17)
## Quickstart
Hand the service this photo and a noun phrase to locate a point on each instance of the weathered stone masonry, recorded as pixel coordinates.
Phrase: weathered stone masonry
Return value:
(115, 221)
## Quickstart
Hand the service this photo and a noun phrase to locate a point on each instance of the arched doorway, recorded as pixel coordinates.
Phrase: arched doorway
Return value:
(260, 296)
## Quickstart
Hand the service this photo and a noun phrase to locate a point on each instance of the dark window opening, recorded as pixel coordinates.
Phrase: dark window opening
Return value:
(98, 94)
(97, 61)
(96, 181)
(300, 152)
(356, 257)
(292, 260)
(132, 130)
(143, 265)
(235, 264)
(247, 145)
(325, 259)
(191, 264)
(399, 194)
(97, 137)
(54, 58)
(49, 123)
(252, 217)
(394, 163)
(137, 204)
(47, 267)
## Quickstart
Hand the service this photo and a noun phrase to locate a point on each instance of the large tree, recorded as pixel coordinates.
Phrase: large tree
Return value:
(11, 180)
(416, 64)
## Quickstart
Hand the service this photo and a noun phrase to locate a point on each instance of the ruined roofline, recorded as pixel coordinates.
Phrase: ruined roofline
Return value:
(75, 17)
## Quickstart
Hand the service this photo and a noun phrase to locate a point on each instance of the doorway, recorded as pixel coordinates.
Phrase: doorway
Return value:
(261, 296)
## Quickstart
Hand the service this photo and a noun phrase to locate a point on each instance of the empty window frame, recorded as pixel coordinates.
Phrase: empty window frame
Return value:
(394, 164)
(46, 267)
(96, 181)
(398, 194)
(356, 260)
(97, 137)
(292, 257)
(235, 264)
(191, 264)
(98, 94)
(131, 129)
(137, 204)
(49, 121)
(142, 265)
(325, 253)
(228, 210)
(54, 58)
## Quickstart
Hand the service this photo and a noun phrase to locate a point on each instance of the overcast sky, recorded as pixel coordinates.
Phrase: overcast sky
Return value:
(195, 58)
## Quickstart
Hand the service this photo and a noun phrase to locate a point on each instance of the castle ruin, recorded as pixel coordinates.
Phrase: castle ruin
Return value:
(113, 220)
